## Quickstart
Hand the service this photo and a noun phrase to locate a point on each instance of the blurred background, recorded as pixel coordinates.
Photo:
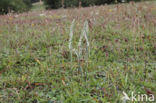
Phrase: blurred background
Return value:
(7, 6)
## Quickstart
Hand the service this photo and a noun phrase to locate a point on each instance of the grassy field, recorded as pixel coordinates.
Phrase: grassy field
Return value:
(35, 62)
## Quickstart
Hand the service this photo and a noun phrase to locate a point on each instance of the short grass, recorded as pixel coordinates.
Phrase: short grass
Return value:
(35, 60)
(38, 6)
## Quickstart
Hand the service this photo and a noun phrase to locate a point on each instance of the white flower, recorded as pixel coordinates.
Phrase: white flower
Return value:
(71, 35)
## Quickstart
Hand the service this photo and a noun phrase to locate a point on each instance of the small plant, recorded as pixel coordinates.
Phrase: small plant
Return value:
(70, 41)
(82, 51)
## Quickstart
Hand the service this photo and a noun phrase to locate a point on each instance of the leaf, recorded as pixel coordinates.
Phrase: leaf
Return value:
(38, 61)
(63, 82)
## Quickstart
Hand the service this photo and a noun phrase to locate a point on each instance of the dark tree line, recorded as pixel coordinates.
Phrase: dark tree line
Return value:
(54, 4)
(14, 6)
(25, 5)
(34, 1)
(73, 3)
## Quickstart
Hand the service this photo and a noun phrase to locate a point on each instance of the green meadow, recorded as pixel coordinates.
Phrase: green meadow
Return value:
(35, 60)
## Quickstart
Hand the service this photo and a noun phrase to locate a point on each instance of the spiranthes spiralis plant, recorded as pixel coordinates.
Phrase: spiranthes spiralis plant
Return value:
(82, 51)
(70, 41)
(83, 47)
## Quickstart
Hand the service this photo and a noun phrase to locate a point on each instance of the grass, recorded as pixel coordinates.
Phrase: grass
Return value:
(38, 6)
(35, 58)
